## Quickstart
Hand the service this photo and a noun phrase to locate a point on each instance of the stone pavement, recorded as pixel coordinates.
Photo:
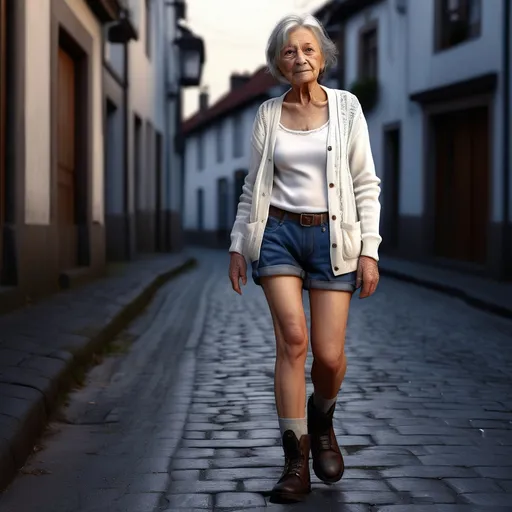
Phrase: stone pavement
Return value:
(43, 347)
(424, 416)
(488, 294)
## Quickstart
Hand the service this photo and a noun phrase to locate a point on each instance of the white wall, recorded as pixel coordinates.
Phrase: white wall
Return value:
(148, 99)
(393, 104)
(429, 69)
(213, 170)
(92, 25)
(409, 64)
(37, 111)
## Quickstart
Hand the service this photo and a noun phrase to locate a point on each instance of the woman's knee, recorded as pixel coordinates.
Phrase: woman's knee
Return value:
(294, 343)
(331, 361)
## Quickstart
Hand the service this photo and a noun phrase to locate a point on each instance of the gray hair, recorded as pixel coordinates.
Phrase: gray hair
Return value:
(280, 34)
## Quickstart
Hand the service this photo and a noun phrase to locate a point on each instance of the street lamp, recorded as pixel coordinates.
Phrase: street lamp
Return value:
(192, 56)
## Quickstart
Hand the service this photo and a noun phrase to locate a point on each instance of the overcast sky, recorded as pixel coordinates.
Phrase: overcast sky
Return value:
(235, 33)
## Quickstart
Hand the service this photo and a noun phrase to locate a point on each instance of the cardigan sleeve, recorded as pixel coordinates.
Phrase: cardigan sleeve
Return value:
(366, 185)
(245, 201)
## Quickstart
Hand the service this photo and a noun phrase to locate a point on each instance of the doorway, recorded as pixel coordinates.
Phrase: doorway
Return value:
(66, 161)
(159, 245)
(462, 184)
(3, 120)
(137, 163)
(200, 209)
(391, 186)
(222, 211)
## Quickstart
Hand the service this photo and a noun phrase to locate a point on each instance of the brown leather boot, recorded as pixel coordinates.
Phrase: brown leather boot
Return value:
(328, 462)
(294, 484)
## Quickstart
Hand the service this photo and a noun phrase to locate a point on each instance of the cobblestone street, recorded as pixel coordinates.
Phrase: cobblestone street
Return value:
(183, 417)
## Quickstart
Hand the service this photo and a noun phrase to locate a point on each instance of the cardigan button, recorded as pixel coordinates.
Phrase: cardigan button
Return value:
(334, 246)
(331, 185)
(333, 217)
(336, 268)
(329, 148)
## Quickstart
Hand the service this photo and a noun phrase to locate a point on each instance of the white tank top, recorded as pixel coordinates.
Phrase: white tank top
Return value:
(300, 181)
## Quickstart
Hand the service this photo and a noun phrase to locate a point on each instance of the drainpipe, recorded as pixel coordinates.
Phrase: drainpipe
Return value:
(507, 245)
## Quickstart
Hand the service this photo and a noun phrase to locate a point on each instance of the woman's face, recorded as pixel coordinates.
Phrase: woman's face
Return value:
(301, 58)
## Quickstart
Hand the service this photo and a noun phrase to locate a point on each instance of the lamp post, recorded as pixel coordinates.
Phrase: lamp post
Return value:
(191, 57)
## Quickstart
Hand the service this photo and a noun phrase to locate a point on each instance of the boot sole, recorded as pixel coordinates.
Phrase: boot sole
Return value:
(285, 497)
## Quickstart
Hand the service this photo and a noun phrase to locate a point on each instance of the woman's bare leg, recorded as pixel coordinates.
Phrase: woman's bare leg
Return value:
(329, 314)
(284, 296)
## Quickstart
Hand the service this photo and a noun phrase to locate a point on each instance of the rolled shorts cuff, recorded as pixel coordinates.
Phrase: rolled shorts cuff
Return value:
(342, 286)
(277, 270)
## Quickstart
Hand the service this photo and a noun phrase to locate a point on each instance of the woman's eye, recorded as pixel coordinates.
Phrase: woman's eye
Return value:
(309, 49)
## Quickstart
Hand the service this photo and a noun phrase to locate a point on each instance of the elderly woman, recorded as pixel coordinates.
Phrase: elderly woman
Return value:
(308, 218)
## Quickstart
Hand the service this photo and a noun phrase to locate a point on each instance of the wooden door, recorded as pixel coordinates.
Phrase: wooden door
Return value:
(391, 187)
(66, 161)
(222, 209)
(3, 80)
(462, 185)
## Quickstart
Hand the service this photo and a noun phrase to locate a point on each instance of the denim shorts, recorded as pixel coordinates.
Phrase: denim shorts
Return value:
(290, 249)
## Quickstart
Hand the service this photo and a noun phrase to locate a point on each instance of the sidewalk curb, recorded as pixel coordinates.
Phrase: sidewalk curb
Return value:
(15, 449)
(454, 291)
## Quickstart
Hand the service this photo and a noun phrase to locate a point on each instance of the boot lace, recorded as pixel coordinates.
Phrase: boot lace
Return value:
(325, 441)
(293, 466)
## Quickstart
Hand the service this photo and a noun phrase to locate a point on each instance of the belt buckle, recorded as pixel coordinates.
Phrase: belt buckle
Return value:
(310, 219)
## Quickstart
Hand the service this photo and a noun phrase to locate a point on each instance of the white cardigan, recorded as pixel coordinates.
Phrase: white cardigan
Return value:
(353, 186)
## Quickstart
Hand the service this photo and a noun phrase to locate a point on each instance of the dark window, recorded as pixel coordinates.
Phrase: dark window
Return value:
(457, 21)
(368, 53)
(200, 209)
(238, 149)
(148, 28)
(219, 135)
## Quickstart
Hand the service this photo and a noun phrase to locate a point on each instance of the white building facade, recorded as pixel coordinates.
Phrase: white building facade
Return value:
(217, 153)
(439, 123)
(90, 165)
(51, 163)
(144, 174)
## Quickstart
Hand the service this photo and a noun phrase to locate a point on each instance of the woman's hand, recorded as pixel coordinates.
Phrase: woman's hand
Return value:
(237, 270)
(367, 276)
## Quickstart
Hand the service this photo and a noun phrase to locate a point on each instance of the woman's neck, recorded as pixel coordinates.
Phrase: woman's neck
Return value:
(304, 94)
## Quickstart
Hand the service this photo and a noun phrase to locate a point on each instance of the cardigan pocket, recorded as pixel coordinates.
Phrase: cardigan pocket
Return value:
(251, 232)
(352, 240)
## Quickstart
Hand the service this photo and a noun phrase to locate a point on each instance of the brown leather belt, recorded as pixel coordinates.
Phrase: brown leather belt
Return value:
(304, 219)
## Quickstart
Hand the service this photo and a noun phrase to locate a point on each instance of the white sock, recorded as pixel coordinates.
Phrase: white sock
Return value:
(299, 426)
(323, 404)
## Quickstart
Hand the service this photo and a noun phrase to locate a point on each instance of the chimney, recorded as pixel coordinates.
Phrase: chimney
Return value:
(238, 80)
(203, 99)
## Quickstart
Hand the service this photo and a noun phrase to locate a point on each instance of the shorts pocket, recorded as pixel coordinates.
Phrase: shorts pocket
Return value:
(273, 224)
(352, 241)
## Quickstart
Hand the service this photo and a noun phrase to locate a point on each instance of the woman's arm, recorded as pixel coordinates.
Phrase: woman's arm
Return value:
(366, 185)
(245, 202)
